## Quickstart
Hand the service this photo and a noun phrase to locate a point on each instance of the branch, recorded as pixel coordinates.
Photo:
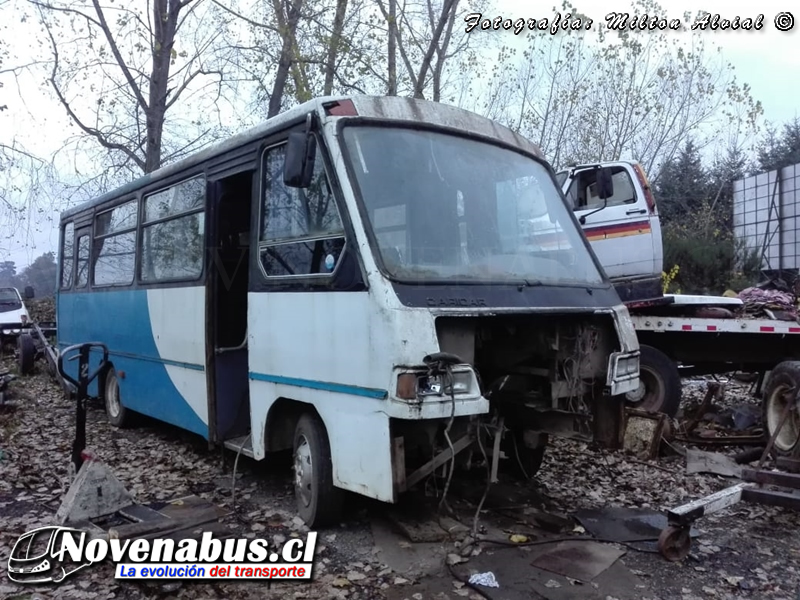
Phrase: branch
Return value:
(95, 133)
(187, 81)
(118, 56)
(64, 10)
(246, 19)
(400, 46)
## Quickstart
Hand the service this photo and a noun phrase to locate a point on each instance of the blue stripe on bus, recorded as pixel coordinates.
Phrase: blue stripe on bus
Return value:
(156, 359)
(121, 319)
(340, 388)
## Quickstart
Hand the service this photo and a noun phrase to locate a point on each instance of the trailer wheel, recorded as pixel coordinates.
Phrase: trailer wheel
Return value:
(659, 383)
(674, 543)
(118, 415)
(26, 353)
(782, 388)
(319, 502)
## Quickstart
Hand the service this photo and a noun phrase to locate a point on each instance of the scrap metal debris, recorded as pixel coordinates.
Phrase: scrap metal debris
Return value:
(579, 560)
(625, 525)
(769, 303)
(721, 418)
(698, 461)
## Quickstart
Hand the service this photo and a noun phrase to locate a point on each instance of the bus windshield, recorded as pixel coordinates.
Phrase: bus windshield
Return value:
(448, 208)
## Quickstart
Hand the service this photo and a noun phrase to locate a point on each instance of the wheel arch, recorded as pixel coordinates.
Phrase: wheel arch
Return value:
(281, 422)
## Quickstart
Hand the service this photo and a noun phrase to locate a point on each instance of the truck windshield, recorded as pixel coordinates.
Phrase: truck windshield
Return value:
(447, 208)
(9, 300)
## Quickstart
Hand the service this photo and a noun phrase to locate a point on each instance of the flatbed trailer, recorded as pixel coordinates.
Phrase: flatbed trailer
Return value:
(675, 343)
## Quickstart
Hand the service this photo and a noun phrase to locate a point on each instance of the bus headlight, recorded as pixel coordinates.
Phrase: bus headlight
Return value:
(411, 386)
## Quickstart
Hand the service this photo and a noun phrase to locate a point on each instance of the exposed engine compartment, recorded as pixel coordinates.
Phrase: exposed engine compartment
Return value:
(544, 372)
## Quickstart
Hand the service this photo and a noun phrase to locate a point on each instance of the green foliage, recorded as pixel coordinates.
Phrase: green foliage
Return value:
(780, 149)
(683, 184)
(710, 258)
(40, 274)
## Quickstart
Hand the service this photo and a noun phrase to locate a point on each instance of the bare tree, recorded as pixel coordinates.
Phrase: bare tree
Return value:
(119, 71)
(422, 35)
(621, 95)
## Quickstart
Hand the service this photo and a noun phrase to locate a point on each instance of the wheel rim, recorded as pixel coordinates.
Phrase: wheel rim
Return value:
(303, 470)
(650, 393)
(674, 543)
(112, 396)
(788, 436)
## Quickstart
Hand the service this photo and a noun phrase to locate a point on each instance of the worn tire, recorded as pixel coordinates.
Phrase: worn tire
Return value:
(319, 502)
(118, 415)
(659, 385)
(26, 353)
(783, 377)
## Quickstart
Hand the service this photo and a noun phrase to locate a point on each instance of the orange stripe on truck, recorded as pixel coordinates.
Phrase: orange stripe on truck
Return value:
(617, 231)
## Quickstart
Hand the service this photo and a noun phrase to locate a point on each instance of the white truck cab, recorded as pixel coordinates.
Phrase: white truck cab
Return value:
(13, 313)
(623, 229)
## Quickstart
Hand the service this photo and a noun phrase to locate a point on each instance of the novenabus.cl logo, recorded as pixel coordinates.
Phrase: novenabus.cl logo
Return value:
(38, 557)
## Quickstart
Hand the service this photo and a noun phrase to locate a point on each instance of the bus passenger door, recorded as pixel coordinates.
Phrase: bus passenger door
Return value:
(226, 355)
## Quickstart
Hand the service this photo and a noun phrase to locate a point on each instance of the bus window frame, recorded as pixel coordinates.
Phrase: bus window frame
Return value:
(94, 255)
(321, 279)
(71, 285)
(143, 195)
(83, 232)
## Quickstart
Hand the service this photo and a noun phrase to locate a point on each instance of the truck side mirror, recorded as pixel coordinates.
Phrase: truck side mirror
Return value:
(29, 292)
(301, 150)
(605, 183)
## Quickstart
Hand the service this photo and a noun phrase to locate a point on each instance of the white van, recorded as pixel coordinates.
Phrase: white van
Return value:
(13, 313)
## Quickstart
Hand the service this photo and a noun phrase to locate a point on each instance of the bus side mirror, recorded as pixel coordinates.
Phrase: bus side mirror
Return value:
(29, 292)
(298, 166)
(605, 183)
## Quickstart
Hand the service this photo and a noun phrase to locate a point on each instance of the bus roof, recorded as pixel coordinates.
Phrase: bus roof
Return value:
(380, 107)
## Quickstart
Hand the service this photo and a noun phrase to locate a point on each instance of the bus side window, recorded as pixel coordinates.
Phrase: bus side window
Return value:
(67, 256)
(82, 270)
(114, 251)
(301, 231)
(173, 232)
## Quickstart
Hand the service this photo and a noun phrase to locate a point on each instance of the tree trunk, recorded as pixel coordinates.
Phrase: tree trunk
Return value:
(287, 25)
(334, 45)
(447, 14)
(165, 20)
(441, 55)
(392, 50)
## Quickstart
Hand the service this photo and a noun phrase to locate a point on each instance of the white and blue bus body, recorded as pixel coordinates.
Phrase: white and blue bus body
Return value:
(269, 314)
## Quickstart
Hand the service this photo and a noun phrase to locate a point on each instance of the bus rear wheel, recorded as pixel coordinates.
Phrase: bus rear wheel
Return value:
(319, 502)
(118, 415)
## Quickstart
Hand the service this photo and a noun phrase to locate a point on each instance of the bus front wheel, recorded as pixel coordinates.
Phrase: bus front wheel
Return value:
(118, 415)
(319, 502)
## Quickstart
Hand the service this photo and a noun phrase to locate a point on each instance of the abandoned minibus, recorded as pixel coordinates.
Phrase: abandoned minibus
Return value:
(358, 280)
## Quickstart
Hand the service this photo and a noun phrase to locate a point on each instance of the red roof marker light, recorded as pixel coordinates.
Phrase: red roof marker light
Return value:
(340, 108)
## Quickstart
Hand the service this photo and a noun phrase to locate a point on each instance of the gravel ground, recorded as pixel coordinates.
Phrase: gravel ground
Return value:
(747, 551)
